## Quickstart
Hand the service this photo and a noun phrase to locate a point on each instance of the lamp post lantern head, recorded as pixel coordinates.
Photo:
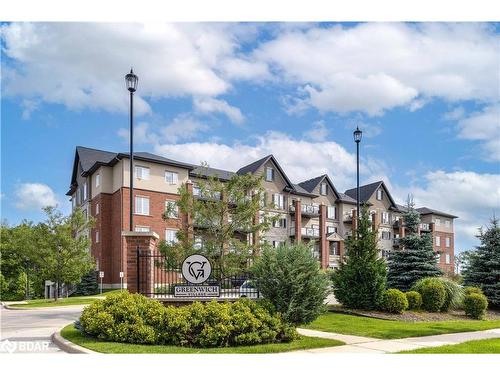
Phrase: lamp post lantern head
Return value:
(131, 80)
(357, 135)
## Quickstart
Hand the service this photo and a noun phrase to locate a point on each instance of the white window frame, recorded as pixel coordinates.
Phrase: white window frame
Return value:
(175, 213)
(385, 217)
(447, 258)
(97, 208)
(174, 239)
(447, 223)
(325, 186)
(142, 228)
(387, 234)
(139, 207)
(331, 212)
(380, 194)
(85, 191)
(140, 172)
(269, 169)
(447, 241)
(97, 180)
(437, 241)
(97, 236)
(171, 177)
(331, 229)
(279, 201)
(438, 221)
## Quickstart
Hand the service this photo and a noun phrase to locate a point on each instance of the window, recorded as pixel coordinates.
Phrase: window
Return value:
(438, 221)
(276, 243)
(279, 201)
(447, 260)
(385, 217)
(85, 191)
(97, 208)
(279, 223)
(438, 241)
(323, 188)
(171, 236)
(141, 173)
(334, 248)
(198, 242)
(447, 241)
(171, 178)
(331, 212)
(447, 223)
(97, 180)
(142, 205)
(141, 228)
(172, 208)
(96, 236)
(386, 235)
(380, 194)
(269, 174)
(331, 229)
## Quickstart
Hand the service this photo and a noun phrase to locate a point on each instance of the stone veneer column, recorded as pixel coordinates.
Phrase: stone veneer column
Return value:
(147, 244)
(323, 248)
(298, 220)
(401, 228)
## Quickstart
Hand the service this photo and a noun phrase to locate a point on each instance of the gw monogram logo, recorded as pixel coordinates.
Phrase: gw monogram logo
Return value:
(196, 269)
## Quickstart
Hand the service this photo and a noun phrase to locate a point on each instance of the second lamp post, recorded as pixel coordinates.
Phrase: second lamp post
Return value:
(357, 138)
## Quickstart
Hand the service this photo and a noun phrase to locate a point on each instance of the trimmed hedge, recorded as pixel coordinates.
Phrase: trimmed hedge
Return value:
(433, 293)
(472, 289)
(414, 300)
(133, 318)
(394, 301)
(475, 305)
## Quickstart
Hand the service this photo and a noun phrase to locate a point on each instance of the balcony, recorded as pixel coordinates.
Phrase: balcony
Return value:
(206, 195)
(308, 210)
(347, 218)
(306, 232)
(425, 227)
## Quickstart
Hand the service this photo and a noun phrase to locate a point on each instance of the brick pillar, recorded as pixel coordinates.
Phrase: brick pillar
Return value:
(298, 220)
(323, 243)
(401, 228)
(147, 244)
(188, 219)
(354, 221)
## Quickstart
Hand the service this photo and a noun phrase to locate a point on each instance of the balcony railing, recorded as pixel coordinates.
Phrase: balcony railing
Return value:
(348, 217)
(206, 195)
(425, 227)
(306, 209)
(306, 232)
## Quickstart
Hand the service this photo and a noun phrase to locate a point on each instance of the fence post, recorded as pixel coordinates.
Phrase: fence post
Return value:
(138, 253)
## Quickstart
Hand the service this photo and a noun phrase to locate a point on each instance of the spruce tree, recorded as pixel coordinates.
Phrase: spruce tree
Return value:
(416, 259)
(88, 285)
(360, 281)
(483, 265)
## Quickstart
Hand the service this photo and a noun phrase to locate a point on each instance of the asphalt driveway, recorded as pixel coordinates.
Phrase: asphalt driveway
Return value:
(29, 330)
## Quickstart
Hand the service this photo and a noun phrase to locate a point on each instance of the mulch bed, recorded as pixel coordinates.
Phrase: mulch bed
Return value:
(414, 316)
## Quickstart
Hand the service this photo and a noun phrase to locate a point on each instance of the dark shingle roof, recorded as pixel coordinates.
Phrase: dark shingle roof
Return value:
(426, 211)
(365, 191)
(310, 185)
(147, 156)
(205, 172)
(401, 207)
(345, 198)
(252, 168)
(89, 156)
(297, 189)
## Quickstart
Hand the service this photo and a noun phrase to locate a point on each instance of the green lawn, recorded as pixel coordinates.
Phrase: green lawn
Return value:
(72, 334)
(391, 329)
(82, 300)
(487, 346)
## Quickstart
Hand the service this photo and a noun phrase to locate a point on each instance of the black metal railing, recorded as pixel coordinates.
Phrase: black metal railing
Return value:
(158, 276)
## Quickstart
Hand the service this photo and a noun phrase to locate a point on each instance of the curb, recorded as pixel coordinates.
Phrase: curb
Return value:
(68, 346)
(8, 307)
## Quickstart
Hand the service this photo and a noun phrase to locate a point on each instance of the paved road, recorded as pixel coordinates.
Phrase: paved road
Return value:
(29, 331)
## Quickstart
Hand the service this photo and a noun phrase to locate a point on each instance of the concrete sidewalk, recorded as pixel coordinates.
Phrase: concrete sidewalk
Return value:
(358, 344)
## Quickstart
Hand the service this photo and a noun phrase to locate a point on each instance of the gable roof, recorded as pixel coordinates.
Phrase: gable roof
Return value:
(366, 191)
(311, 184)
(205, 172)
(253, 167)
(427, 210)
(147, 156)
(345, 198)
(299, 190)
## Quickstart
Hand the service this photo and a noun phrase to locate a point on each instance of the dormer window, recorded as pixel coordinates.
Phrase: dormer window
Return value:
(380, 194)
(323, 188)
(269, 174)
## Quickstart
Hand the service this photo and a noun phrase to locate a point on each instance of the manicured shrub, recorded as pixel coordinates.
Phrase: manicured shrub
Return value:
(475, 305)
(472, 289)
(414, 300)
(433, 293)
(394, 301)
(290, 277)
(136, 319)
(454, 294)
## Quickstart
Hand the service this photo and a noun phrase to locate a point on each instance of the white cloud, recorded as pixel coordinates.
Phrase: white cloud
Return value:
(318, 132)
(374, 67)
(209, 105)
(34, 196)
(82, 65)
(473, 197)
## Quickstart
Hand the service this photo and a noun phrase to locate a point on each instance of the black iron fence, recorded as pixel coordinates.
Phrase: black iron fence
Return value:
(161, 278)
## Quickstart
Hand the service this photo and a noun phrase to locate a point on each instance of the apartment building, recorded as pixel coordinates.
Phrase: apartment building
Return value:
(309, 211)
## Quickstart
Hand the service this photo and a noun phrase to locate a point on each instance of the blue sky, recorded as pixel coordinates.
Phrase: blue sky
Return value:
(425, 95)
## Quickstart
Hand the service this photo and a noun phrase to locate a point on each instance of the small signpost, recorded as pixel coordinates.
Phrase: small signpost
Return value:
(101, 276)
(121, 280)
(196, 269)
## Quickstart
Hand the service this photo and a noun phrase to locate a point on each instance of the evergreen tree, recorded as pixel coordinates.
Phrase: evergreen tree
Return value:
(361, 278)
(416, 259)
(483, 265)
(88, 285)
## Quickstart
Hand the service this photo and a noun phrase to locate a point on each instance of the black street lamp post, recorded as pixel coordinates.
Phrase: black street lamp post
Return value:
(357, 138)
(131, 79)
